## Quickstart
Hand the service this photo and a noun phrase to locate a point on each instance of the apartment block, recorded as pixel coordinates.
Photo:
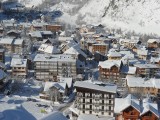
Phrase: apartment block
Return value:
(95, 98)
(48, 67)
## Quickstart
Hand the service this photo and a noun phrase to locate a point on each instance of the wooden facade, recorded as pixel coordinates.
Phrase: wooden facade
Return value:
(110, 74)
(130, 113)
(53, 28)
(149, 116)
(154, 45)
(147, 72)
(102, 48)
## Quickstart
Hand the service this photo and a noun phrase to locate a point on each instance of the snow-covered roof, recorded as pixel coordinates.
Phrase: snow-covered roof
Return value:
(56, 57)
(109, 63)
(127, 54)
(46, 33)
(26, 24)
(18, 62)
(114, 54)
(95, 86)
(72, 43)
(54, 116)
(76, 51)
(133, 81)
(146, 66)
(18, 41)
(6, 40)
(153, 40)
(61, 86)
(63, 39)
(35, 34)
(130, 100)
(149, 106)
(48, 49)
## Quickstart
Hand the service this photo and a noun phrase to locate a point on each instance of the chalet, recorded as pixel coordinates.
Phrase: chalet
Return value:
(38, 26)
(24, 26)
(101, 48)
(130, 109)
(129, 43)
(145, 85)
(12, 45)
(95, 98)
(149, 111)
(147, 70)
(50, 49)
(9, 24)
(35, 36)
(19, 67)
(153, 43)
(18, 45)
(113, 55)
(143, 53)
(135, 109)
(6, 43)
(110, 70)
(55, 91)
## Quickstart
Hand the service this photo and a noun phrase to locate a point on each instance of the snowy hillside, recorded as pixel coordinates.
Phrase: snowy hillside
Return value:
(138, 15)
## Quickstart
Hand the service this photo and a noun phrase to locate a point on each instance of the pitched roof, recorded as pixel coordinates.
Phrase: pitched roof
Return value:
(149, 106)
(109, 63)
(153, 40)
(75, 50)
(133, 81)
(128, 101)
(61, 86)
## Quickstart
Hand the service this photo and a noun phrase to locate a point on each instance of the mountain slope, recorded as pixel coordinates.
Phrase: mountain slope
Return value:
(138, 15)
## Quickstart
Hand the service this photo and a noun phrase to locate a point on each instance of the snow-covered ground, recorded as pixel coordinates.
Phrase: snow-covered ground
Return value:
(18, 107)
